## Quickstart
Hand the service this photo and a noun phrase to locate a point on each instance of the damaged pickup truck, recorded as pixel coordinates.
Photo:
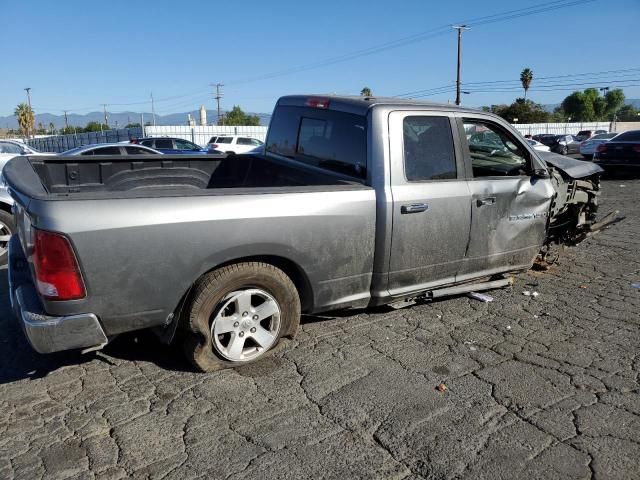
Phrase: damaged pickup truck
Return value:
(354, 202)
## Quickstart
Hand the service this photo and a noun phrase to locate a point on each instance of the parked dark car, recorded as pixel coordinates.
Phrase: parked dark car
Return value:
(562, 144)
(622, 151)
(172, 146)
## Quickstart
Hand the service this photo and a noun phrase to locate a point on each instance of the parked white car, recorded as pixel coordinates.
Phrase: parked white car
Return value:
(233, 144)
(8, 150)
(588, 147)
(541, 147)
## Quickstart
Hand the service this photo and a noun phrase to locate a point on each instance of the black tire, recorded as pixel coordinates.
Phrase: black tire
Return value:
(7, 226)
(564, 151)
(587, 157)
(208, 295)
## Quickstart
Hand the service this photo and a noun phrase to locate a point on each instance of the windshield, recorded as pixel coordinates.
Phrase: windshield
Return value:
(74, 150)
(604, 136)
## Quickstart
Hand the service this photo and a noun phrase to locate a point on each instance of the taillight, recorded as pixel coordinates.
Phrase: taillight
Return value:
(214, 145)
(57, 273)
(601, 148)
(316, 102)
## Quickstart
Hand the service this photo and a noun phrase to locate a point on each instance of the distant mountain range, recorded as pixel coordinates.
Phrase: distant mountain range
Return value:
(122, 118)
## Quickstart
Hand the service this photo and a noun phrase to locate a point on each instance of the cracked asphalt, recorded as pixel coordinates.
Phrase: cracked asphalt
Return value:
(538, 388)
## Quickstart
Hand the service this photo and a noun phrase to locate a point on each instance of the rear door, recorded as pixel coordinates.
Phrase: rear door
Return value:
(431, 202)
(509, 205)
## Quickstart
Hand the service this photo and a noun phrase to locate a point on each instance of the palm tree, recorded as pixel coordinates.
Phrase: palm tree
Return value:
(366, 92)
(52, 128)
(526, 77)
(26, 119)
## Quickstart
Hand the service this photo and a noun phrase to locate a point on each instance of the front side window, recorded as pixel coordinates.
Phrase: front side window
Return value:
(103, 151)
(428, 149)
(493, 151)
(328, 139)
(138, 151)
(147, 143)
(185, 145)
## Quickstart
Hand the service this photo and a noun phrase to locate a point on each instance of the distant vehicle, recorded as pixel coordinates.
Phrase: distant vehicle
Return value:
(111, 149)
(588, 147)
(233, 144)
(562, 144)
(8, 150)
(172, 146)
(545, 138)
(588, 134)
(621, 151)
(541, 147)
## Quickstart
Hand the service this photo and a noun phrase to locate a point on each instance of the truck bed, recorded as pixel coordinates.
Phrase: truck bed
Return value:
(118, 177)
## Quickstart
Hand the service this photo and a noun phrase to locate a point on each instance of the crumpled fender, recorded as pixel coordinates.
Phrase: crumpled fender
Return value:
(570, 166)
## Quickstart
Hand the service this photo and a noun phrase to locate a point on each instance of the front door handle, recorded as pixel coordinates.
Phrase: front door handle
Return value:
(486, 201)
(414, 208)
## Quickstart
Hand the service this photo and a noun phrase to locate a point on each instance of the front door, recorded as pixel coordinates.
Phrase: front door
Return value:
(509, 205)
(431, 202)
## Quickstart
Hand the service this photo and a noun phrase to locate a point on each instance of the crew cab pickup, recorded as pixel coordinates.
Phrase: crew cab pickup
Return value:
(354, 202)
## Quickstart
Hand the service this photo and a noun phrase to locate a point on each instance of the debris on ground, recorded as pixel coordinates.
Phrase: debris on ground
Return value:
(636, 285)
(482, 297)
(583, 286)
(442, 388)
(534, 294)
(527, 293)
(508, 327)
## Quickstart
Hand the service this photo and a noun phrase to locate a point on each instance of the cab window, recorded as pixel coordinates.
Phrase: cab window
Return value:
(493, 151)
(428, 149)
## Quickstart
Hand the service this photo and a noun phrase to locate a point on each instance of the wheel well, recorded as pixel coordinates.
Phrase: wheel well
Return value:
(293, 270)
(6, 207)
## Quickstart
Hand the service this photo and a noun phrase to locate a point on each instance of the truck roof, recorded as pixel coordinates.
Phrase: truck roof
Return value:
(360, 105)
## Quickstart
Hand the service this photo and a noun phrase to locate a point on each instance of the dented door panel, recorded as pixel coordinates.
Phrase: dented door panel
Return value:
(508, 224)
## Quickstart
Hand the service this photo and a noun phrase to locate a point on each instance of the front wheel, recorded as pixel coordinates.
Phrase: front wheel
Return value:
(238, 314)
(564, 151)
(7, 227)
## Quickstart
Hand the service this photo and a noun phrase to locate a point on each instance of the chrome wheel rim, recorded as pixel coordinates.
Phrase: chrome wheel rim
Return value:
(245, 325)
(5, 236)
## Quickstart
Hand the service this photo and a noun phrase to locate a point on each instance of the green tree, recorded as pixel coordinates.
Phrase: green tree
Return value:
(366, 92)
(615, 101)
(628, 113)
(70, 130)
(95, 127)
(526, 111)
(526, 77)
(237, 117)
(132, 125)
(26, 119)
(52, 128)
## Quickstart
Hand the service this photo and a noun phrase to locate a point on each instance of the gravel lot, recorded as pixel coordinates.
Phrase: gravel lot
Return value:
(542, 387)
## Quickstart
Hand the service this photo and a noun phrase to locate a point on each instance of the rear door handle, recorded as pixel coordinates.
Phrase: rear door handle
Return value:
(414, 208)
(486, 201)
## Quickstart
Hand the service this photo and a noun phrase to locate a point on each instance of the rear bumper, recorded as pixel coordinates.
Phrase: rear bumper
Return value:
(47, 333)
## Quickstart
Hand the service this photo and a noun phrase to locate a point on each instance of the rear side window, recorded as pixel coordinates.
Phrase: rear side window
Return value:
(428, 149)
(213, 139)
(632, 136)
(324, 138)
(165, 143)
(244, 141)
(224, 139)
(137, 151)
(147, 143)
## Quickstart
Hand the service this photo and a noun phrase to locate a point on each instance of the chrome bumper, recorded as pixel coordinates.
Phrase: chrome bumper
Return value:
(46, 333)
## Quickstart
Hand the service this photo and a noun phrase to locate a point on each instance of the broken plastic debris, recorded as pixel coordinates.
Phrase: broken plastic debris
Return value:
(472, 348)
(583, 286)
(636, 285)
(508, 327)
(534, 294)
(442, 388)
(622, 186)
(480, 296)
(526, 293)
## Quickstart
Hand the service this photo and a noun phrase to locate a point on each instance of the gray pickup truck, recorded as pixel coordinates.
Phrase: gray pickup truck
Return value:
(354, 202)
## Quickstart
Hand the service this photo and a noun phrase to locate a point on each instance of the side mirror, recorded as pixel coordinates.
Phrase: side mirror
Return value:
(541, 173)
(24, 152)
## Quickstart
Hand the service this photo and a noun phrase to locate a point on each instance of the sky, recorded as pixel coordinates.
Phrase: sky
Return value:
(78, 55)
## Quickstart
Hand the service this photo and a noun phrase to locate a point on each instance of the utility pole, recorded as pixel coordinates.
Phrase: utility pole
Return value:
(28, 90)
(66, 120)
(106, 117)
(460, 29)
(153, 110)
(218, 97)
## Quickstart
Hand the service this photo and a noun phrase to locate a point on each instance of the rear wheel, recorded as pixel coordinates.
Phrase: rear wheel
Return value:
(7, 227)
(238, 314)
(564, 150)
